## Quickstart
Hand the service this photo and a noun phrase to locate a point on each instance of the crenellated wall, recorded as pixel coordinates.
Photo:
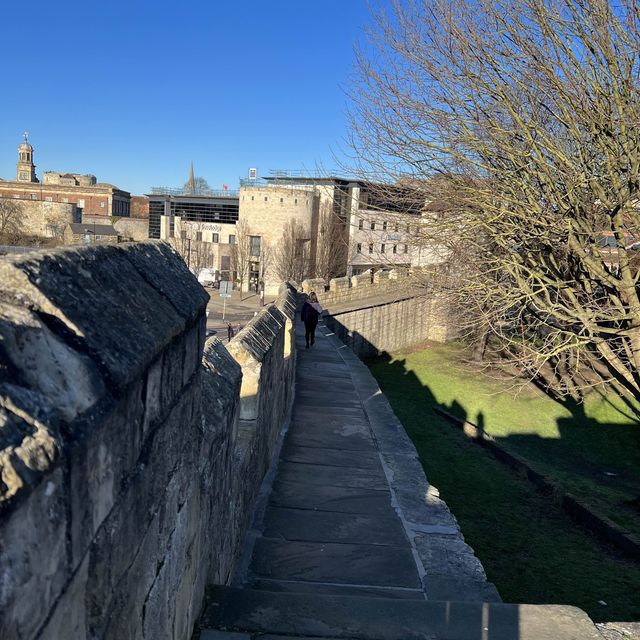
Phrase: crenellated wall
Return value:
(382, 311)
(128, 462)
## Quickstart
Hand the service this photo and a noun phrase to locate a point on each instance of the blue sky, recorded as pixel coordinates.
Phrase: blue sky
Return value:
(133, 90)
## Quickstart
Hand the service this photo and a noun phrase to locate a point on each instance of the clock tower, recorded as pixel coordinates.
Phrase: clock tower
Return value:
(26, 170)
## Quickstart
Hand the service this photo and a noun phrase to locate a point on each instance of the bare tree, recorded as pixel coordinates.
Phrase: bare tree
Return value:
(11, 228)
(291, 259)
(332, 245)
(521, 117)
(266, 261)
(197, 187)
(241, 253)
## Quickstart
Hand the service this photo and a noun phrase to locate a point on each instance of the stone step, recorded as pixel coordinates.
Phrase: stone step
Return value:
(313, 615)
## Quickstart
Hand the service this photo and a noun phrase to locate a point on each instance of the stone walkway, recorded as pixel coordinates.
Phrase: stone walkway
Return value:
(350, 510)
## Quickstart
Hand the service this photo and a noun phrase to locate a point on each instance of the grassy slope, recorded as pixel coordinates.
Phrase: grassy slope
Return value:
(529, 548)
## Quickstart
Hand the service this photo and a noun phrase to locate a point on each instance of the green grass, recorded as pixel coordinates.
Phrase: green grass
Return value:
(530, 549)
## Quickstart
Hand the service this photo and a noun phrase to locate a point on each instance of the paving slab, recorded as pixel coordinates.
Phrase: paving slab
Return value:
(330, 457)
(345, 617)
(329, 589)
(328, 422)
(325, 475)
(357, 564)
(329, 498)
(345, 438)
(317, 526)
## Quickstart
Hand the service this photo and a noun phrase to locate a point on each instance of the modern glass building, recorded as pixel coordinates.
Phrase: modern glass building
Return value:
(221, 208)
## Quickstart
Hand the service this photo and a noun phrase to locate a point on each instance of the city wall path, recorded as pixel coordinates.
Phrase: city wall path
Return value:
(350, 509)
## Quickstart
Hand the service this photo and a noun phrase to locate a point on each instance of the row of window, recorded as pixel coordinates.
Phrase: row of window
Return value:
(383, 248)
(215, 237)
(384, 226)
(266, 198)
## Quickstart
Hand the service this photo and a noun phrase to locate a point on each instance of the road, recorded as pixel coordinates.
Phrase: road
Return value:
(238, 311)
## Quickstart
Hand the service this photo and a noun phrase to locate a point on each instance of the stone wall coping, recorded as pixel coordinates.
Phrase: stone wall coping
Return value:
(287, 300)
(78, 326)
(253, 342)
(370, 302)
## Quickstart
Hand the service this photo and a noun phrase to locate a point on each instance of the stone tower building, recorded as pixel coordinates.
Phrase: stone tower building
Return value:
(25, 169)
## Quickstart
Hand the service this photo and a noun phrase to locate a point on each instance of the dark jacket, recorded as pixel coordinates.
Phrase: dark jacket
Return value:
(309, 315)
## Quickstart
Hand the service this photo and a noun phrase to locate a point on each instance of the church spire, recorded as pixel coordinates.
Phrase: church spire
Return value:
(191, 185)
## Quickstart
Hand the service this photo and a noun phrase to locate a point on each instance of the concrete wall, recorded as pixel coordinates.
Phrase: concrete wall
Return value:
(127, 475)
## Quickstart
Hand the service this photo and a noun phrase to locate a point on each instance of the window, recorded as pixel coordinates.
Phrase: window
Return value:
(408, 228)
(199, 236)
(384, 226)
(34, 196)
(295, 201)
(370, 248)
(361, 224)
(359, 248)
(183, 235)
(254, 246)
(397, 227)
(215, 237)
(404, 246)
(251, 197)
(265, 198)
(381, 248)
(281, 199)
(395, 248)
(372, 226)
(102, 205)
(232, 239)
(49, 199)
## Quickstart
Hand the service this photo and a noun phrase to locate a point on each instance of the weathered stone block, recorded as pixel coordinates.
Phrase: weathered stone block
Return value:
(33, 558)
(99, 464)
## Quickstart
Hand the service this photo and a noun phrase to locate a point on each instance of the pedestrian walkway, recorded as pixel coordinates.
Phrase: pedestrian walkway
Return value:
(330, 524)
(353, 542)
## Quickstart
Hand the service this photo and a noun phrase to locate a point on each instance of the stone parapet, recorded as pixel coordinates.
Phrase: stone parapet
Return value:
(313, 284)
(121, 493)
(342, 291)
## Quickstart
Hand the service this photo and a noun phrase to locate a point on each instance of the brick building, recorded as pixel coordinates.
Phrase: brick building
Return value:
(90, 197)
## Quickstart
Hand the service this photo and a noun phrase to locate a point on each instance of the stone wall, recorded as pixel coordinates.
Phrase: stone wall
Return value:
(392, 325)
(136, 229)
(369, 284)
(382, 311)
(127, 474)
(44, 219)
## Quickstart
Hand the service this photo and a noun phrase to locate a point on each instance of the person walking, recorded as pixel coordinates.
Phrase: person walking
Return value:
(311, 311)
